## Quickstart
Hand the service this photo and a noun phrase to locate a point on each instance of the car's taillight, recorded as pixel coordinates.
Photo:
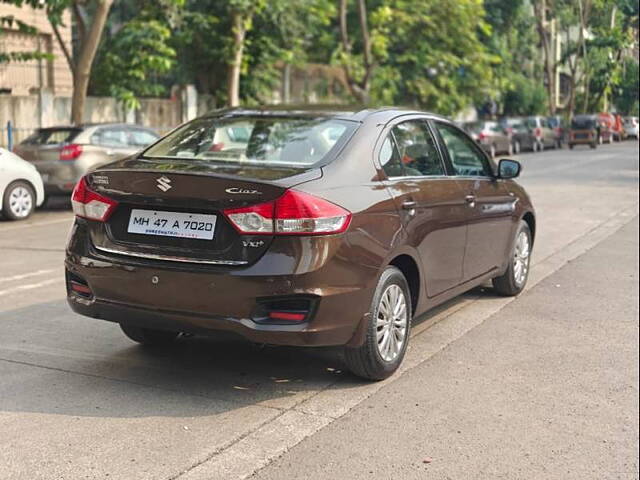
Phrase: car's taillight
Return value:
(70, 152)
(294, 213)
(481, 136)
(537, 132)
(89, 204)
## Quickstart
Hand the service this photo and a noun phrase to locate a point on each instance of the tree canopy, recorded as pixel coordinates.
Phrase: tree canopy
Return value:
(442, 56)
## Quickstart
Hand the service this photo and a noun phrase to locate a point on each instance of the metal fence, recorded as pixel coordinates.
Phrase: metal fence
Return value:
(10, 136)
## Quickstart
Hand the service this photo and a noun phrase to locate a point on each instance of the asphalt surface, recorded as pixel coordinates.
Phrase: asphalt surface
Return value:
(547, 388)
(79, 400)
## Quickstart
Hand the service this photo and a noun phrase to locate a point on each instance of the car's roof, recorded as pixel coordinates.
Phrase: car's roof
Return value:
(83, 126)
(347, 112)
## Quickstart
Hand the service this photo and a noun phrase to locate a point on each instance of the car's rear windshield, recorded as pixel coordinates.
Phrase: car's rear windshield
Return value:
(263, 140)
(52, 136)
(582, 123)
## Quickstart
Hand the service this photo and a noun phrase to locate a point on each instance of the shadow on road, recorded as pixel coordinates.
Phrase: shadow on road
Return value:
(60, 363)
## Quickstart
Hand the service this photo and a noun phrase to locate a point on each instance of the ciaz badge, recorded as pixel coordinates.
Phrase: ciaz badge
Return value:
(244, 191)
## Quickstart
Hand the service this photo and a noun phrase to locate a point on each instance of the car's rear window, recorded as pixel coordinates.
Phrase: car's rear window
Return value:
(263, 140)
(474, 126)
(52, 136)
(581, 123)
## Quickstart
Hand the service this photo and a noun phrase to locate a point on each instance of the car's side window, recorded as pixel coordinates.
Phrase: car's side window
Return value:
(389, 158)
(466, 159)
(417, 149)
(141, 138)
(110, 137)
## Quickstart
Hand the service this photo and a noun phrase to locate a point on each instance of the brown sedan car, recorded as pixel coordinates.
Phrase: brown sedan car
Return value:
(297, 227)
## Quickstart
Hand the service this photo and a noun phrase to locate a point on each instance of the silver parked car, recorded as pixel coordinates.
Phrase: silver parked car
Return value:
(546, 136)
(492, 137)
(63, 155)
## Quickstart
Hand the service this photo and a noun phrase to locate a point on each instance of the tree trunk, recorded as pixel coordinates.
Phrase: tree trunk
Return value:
(233, 73)
(82, 70)
(358, 88)
(540, 9)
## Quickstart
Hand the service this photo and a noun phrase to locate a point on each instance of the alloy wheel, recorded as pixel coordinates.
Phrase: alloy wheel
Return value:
(20, 202)
(521, 258)
(391, 323)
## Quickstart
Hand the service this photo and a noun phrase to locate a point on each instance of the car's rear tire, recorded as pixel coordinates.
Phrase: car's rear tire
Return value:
(492, 151)
(19, 201)
(148, 336)
(516, 147)
(513, 281)
(571, 146)
(387, 331)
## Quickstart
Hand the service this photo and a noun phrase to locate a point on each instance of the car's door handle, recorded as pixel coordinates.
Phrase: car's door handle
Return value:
(409, 205)
(470, 199)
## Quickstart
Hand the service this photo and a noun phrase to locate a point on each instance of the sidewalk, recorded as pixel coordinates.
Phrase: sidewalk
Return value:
(545, 389)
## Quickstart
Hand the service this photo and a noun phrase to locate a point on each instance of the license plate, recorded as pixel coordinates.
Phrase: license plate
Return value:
(172, 224)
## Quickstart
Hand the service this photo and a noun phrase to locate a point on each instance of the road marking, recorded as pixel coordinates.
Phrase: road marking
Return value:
(39, 224)
(25, 275)
(29, 286)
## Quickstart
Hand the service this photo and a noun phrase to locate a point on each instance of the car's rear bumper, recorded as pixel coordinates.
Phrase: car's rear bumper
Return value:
(582, 139)
(205, 299)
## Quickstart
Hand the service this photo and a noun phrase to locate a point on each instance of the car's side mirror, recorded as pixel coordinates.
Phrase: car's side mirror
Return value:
(508, 169)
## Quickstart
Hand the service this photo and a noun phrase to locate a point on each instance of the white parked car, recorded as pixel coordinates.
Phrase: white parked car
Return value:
(21, 189)
(631, 127)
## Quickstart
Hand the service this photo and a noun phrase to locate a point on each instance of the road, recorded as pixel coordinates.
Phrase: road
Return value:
(543, 386)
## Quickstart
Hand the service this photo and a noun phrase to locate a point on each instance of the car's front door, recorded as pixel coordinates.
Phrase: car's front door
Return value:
(490, 205)
(431, 204)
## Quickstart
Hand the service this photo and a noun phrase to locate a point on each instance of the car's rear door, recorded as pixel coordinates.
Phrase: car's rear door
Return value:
(489, 204)
(431, 204)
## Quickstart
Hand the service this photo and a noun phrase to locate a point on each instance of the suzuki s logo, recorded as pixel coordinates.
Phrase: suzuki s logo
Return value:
(244, 191)
(164, 183)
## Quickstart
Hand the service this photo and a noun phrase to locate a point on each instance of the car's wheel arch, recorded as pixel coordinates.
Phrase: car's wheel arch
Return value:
(407, 261)
(530, 219)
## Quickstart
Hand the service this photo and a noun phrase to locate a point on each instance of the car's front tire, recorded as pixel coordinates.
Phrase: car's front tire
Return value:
(19, 201)
(513, 281)
(148, 336)
(387, 330)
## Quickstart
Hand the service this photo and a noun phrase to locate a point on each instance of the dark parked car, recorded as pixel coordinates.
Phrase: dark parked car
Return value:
(584, 130)
(62, 155)
(324, 228)
(491, 136)
(522, 137)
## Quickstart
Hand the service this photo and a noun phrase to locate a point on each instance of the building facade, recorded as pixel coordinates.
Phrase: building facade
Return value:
(32, 77)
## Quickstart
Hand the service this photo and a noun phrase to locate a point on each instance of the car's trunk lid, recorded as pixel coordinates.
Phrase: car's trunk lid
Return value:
(172, 191)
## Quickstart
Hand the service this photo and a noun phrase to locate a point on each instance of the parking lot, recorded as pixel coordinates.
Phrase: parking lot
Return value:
(79, 400)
